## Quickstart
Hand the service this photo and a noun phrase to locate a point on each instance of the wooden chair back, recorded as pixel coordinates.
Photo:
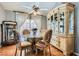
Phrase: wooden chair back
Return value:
(48, 36)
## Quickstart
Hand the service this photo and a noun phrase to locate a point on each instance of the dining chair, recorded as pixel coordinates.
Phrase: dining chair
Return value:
(43, 44)
(24, 45)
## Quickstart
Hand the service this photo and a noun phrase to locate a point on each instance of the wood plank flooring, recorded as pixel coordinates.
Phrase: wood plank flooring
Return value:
(10, 51)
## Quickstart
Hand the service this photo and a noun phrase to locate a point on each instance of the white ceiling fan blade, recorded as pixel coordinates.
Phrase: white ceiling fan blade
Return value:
(31, 12)
(44, 9)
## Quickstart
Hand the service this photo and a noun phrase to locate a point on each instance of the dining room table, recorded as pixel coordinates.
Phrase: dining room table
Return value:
(34, 40)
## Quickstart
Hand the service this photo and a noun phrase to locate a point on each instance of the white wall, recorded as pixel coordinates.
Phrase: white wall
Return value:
(44, 23)
(2, 14)
(37, 20)
(10, 15)
(77, 28)
(41, 21)
(2, 17)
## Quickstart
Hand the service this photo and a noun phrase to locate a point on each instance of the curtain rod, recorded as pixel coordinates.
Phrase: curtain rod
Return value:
(20, 12)
(27, 13)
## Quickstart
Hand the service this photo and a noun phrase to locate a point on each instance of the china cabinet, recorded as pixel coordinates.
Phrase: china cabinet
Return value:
(8, 33)
(61, 21)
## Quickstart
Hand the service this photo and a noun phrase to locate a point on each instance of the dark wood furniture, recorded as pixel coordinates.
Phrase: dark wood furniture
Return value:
(8, 34)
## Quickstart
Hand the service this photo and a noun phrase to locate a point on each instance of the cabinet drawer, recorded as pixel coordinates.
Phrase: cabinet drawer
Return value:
(62, 43)
(55, 42)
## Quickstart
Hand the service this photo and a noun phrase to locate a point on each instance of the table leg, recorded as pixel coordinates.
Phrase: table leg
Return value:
(21, 52)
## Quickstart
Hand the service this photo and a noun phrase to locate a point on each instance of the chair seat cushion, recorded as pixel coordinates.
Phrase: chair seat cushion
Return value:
(40, 45)
(42, 41)
(25, 43)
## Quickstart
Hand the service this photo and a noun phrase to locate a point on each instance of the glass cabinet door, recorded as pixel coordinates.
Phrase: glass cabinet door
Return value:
(71, 21)
(56, 22)
(49, 23)
(52, 24)
(61, 22)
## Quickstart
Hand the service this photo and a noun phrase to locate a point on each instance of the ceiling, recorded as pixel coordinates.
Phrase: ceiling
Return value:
(27, 6)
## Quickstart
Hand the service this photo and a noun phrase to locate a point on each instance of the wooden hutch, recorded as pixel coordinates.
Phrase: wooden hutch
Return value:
(61, 21)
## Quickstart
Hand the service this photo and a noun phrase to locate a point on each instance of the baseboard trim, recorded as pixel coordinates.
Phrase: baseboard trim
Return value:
(77, 54)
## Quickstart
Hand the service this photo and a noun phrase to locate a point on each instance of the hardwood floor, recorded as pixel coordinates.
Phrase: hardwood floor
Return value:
(10, 51)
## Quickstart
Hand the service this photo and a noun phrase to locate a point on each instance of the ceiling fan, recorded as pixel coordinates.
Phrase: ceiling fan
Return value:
(35, 9)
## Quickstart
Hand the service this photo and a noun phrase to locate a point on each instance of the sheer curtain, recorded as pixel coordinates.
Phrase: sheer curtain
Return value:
(24, 23)
(20, 19)
(28, 24)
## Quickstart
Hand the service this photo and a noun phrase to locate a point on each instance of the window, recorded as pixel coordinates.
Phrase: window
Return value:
(29, 24)
(24, 23)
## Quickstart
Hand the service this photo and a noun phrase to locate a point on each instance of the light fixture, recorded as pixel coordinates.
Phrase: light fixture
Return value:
(35, 10)
(35, 13)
